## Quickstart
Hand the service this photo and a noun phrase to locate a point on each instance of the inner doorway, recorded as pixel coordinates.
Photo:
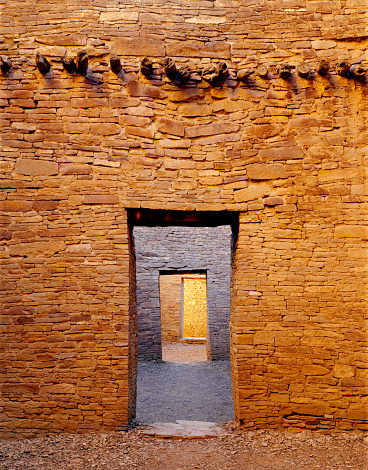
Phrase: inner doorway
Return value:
(183, 306)
(172, 390)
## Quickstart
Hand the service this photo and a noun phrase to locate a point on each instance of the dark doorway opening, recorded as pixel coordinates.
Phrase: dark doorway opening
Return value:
(184, 390)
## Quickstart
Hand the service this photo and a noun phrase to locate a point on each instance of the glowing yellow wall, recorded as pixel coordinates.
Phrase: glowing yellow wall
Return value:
(195, 308)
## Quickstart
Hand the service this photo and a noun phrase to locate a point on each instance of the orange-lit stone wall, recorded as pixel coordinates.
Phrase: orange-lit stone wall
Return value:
(289, 154)
(195, 307)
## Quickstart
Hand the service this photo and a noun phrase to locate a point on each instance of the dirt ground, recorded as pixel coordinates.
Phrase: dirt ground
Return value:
(259, 450)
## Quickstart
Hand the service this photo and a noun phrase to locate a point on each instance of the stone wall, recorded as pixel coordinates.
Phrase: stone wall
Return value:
(162, 249)
(78, 151)
(170, 306)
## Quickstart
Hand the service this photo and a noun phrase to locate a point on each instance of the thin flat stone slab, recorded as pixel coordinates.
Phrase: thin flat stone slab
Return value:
(184, 430)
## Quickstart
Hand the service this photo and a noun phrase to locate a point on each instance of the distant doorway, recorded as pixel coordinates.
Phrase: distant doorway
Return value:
(194, 307)
(183, 307)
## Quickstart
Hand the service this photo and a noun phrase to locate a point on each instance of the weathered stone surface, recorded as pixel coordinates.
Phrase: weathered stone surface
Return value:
(314, 369)
(175, 144)
(213, 49)
(185, 430)
(45, 205)
(264, 337)
(105, 128)
(343, 371)
(58, 388)
(287, 233)
(253, 191)
(273, 201)
(322, 44)
(149, 91)
(114, 16)
(33, 167)
(170, 126)
(188, 94)
(71, 169)
(52, 51)
(211, 129)
(62, 39)
(281, 153)
(6, 166)
(140, 132)
(326, 176)
(259, 171)
(317, 409)
(206, 19)
(124, 102)
(15, 206)
(358, 414)
(193, 110)
(310, 121)
(351, 231)
(80, 249)
(89, 102)
(36, 249)
(263, 131)
(143, 45)
(19, 388)
(108, 199)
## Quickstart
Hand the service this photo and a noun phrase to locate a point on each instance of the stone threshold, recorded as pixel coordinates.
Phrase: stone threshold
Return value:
(184, 430)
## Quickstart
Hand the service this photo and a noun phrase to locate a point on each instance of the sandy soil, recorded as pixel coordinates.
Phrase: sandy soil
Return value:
(260, 450)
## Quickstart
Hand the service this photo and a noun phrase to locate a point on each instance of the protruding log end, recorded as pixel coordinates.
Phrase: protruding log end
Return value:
(69, 65)
(284, 70)
(323, 67)
(262, 71)
(5, 64)
(42, 64)
(82, 62)
(303, 70)
(215, 75)
(343, 68)
(209, 74)
(170, 68)
(115, 65)
(178, 75)
(184, 74)
(244, 74)
(146, 67)
(358, 72)
(222, 71)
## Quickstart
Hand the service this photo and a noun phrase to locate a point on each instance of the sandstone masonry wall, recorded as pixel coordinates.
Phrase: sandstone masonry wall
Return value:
(289, 154)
